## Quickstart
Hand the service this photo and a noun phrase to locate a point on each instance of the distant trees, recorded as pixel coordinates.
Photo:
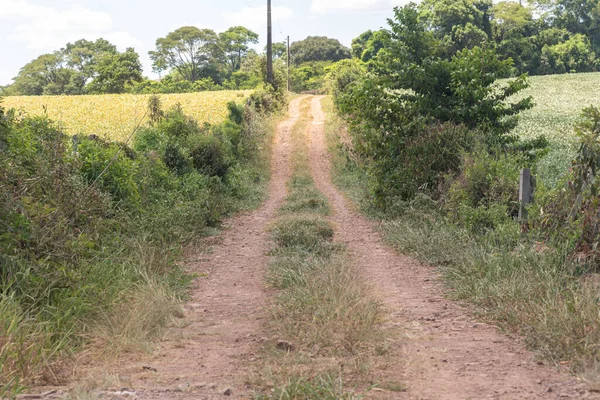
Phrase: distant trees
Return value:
(188, 59)
(318, 48)
(235, 43)
(188, 50)
(541, 37)
(80, 67)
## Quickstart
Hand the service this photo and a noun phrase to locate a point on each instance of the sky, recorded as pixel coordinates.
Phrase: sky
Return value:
(29, 28)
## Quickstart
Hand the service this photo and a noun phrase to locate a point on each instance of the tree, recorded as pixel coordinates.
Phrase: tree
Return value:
(458, 24)
(83, 56)
(577, 16)
(417, 110)
(114, 72)
(318, 48)
(279, 50)
(514, 31)
(188, 50)
(47, 74)
(235, 43)
(368, 44)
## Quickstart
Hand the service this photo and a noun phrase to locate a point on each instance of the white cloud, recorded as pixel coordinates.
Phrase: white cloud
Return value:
(46, 28)
(325, 6)
(255, 18)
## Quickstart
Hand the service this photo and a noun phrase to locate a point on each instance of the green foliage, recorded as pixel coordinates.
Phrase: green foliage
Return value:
(106, 165)
(457, 25)
(81, 67)
(573, 55)
(309, 76)
(318, 48)
(116, 72)
(89, 229)
(368, 45)
(343, 75)
(571, 213)
(211, 156)
(415, 113)
(235, 43)
(188, 50)
(176, 124)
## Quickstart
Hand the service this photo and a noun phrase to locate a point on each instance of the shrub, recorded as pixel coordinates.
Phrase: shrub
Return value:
(149, 139)
(176, 124)
(211, 156)
(175, 158)
(105, 164)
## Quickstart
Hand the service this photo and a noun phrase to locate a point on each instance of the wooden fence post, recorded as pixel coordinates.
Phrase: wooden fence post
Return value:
(525, 193)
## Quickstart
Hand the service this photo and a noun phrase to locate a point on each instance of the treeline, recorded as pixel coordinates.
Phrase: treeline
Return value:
(545, 37)
(187, 60)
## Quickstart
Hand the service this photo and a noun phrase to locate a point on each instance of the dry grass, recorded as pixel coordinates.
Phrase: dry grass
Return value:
(138, 319)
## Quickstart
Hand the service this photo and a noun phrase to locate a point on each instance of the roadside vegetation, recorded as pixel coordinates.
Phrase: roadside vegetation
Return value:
(322, 308)
(434, 149)
(91, 229)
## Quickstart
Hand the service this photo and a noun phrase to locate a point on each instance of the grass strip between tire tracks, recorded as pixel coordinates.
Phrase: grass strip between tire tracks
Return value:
(325, 319)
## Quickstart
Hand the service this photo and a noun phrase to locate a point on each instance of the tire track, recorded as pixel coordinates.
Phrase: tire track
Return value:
(445, 353)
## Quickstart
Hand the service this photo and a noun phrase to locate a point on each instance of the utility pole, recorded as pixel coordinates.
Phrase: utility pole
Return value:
(288, 63)
(269, 45)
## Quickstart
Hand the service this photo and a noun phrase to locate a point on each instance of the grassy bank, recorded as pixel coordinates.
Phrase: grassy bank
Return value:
(323, 310)
(90, 231)
(521, 285)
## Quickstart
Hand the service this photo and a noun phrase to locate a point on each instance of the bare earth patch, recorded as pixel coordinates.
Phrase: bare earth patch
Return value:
(441, 351)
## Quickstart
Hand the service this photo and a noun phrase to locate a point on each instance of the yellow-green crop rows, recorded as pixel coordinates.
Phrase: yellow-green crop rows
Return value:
(559, 100)
(115, 116)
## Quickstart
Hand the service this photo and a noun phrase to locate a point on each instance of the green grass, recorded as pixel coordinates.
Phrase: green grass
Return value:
(322, 306)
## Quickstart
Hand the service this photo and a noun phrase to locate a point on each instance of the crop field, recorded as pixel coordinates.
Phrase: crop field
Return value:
(115, 116)
(559, 100)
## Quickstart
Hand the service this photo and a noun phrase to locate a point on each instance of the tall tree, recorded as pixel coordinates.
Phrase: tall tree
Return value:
(577, 16)
(235, 43)
(83, 56)
(47, 74)
(458, 24)
(366, 46)
(318, 48)
(188, 50)
(114, 72)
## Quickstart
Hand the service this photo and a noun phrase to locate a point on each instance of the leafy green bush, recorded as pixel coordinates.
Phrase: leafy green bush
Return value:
(211, 156)
(106, 165)
(175, 123)
(149, 139)
(176, 158)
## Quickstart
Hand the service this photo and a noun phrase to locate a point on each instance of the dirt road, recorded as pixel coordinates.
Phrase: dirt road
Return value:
(446, 354)
(439, 350)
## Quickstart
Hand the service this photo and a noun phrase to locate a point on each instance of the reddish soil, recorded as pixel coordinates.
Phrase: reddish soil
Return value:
(214, 352)
(438, 350)
(444, 352)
